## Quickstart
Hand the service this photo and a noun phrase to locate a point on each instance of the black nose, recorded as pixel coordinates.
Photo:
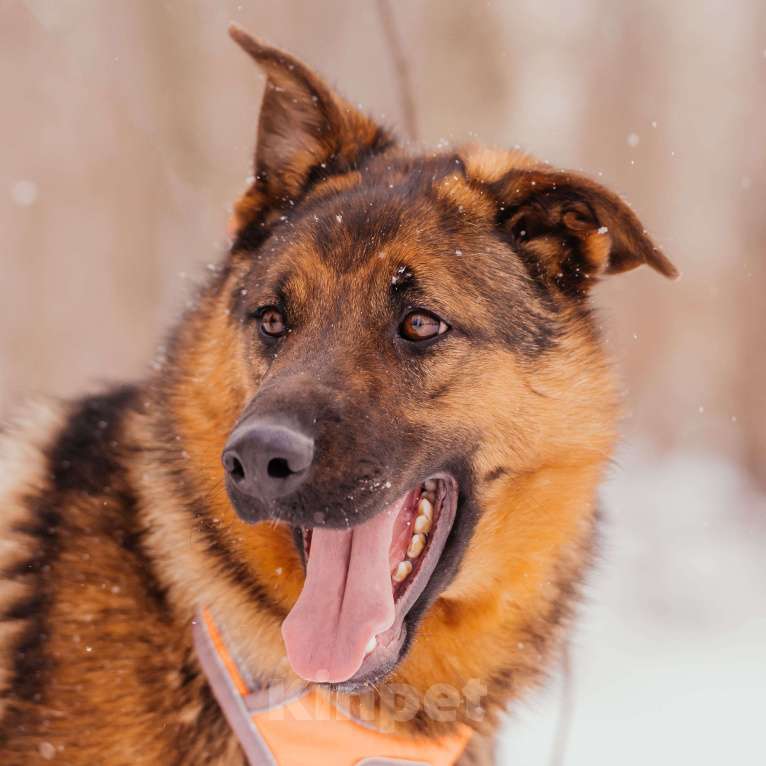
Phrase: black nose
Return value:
(266, 459)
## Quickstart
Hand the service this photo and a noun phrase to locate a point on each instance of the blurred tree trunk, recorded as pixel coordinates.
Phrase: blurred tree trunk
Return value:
(626, 97)
(465, 73)
(749, 392)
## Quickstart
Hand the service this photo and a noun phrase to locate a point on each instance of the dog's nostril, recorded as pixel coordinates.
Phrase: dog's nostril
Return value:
(236, 469)
(278, 468)
(266, 460)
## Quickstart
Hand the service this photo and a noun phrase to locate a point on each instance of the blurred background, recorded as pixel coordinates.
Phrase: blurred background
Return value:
(127, 131)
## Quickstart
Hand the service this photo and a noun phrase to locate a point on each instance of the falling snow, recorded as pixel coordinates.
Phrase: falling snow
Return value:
(24, 193)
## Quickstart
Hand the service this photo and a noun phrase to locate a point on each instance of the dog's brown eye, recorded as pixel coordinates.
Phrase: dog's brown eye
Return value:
(272, 322)
(421, 325)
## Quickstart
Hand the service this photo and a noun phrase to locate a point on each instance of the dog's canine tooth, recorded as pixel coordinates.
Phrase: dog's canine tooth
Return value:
(425, 508)
(417, 544)
(371, 644)
(423, 524)
(402, 571)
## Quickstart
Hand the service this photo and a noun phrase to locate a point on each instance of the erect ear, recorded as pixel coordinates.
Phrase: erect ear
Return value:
(305, 132)
(571, 230)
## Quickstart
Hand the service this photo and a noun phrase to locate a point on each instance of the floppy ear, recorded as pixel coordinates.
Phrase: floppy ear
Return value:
(305, 132)
(571, 230)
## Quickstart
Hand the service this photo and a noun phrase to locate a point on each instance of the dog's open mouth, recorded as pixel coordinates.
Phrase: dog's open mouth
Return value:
(349, 621)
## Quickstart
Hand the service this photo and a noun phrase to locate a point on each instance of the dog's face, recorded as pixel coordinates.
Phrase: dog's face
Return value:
(410, 384)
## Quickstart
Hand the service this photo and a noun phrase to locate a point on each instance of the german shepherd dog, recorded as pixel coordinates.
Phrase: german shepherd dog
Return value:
(371, 453)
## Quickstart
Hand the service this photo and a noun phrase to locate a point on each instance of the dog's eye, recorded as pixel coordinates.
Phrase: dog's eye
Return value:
(271, 321)
(422, 325)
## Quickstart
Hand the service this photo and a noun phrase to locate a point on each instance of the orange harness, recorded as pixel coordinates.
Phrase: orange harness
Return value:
(305, 729)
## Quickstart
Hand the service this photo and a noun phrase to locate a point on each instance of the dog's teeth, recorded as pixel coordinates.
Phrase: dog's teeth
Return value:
(417, 544)
(425, 508)
(423, 524)
(430, 485)
(371, 644)
(402, 571)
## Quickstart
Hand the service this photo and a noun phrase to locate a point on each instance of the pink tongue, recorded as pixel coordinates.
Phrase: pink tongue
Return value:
(346, 599)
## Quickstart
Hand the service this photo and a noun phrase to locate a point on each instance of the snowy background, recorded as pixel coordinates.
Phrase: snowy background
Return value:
(127, 132)
(669, 658)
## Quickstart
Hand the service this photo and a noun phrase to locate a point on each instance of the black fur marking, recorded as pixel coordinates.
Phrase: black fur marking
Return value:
(189, 670)
(257, 231)
(496, 473)
(572, 277)
(335, 166)
(532, 325)
(83, 459)
(31, 662)
(44, 527)
(252, 236)
(237, 572)
(132, 543)
(23, 610)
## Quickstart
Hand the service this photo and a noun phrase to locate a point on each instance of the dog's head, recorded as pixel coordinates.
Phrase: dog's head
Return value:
(399, 372)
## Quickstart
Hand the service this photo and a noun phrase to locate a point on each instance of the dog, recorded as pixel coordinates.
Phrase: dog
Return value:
(366, 470)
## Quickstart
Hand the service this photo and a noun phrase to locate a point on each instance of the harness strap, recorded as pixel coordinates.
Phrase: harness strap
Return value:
(276, 729)
(228, 689)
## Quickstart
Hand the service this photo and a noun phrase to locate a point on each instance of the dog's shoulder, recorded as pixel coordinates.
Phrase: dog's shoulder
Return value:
(81, 602)
(24, 476)
(49, 451)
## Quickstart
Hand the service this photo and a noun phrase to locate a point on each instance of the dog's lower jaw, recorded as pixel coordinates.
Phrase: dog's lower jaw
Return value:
(349, 624)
